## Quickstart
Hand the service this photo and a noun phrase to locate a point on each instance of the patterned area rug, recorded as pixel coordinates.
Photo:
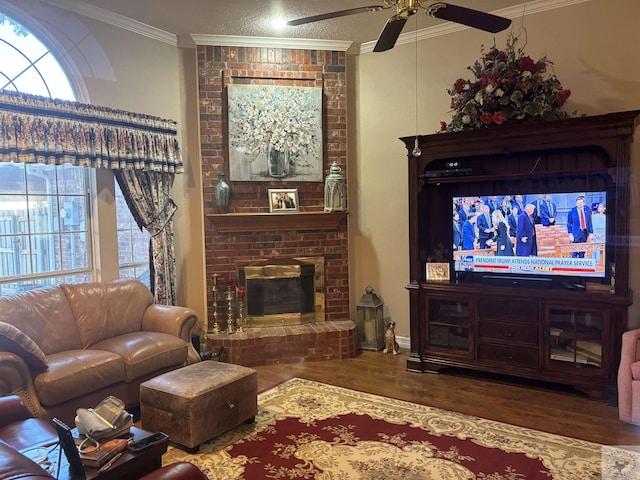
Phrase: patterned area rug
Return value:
(309, 430)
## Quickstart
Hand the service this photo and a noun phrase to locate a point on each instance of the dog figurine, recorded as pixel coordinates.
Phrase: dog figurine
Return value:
(390, 344)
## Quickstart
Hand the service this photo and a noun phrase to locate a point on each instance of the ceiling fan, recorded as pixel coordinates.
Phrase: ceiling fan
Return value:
(406, 8)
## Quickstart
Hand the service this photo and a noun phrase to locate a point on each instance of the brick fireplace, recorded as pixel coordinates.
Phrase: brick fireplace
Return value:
(249, 233)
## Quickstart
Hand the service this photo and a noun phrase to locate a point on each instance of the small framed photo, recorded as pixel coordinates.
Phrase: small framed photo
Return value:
(437, 272)
(283, 200)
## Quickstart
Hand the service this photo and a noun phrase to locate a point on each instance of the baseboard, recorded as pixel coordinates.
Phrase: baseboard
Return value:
(404, 342)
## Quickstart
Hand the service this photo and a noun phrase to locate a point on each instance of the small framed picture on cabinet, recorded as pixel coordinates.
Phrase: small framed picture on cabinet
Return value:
(437, 272)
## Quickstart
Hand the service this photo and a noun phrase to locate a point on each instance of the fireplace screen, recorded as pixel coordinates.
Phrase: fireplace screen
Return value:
(284, 291)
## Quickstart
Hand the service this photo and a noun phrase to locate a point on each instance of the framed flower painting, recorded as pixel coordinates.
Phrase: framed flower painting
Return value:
(275, 133)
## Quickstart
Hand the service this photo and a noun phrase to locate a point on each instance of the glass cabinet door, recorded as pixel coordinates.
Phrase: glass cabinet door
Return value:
(574, 338)
(449, 325)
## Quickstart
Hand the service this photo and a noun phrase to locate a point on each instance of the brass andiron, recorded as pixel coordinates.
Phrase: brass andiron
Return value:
(214, 290)
(231, 320)
(242, 319)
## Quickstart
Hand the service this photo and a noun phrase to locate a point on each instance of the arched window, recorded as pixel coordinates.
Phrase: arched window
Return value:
(45, 211)
(27, 65)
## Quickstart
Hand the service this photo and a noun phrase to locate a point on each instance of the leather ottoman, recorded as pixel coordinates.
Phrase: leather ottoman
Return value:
(196, 403)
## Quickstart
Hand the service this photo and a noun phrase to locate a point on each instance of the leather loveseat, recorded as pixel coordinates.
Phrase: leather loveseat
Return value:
(19, 432)
(70, 346)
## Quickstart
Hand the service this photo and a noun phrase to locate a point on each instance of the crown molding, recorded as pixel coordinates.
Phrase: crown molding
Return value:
(517, 11)
(120, 21)
(270, 42)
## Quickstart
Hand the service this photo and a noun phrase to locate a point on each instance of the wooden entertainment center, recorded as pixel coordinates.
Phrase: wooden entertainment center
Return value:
(556, 334)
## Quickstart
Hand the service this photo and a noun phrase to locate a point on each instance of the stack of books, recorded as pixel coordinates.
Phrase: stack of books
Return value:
(96, 457)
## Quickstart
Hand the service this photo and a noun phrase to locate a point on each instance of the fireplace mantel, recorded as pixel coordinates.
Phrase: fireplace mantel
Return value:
(264, 222)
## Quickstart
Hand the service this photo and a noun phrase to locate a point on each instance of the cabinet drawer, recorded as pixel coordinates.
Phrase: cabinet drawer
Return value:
(509, 332)
(514, 310)
(508, 354)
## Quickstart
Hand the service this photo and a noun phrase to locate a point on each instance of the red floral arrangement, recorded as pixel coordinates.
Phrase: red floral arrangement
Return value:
(508, 85)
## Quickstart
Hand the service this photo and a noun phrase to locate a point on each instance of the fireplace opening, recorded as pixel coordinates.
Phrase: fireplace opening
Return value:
(271, 296)
(284, 291)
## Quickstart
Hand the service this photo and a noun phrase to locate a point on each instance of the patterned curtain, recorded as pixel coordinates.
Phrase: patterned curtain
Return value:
(147, 194)
(41, 130)
(141, 150)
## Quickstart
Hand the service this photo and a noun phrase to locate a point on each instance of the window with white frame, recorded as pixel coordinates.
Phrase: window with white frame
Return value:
(44, 226)
(45, 221)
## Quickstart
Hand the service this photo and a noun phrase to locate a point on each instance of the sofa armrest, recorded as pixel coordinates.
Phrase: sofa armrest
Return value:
(178, 321)
(178, 470)
(12, 410)
(16, 380)
(629, 353)
(631, 345)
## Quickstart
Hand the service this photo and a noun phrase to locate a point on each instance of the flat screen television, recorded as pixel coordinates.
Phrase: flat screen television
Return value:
(550, 239)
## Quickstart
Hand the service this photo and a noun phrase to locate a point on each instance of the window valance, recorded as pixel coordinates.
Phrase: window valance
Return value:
(36, 129)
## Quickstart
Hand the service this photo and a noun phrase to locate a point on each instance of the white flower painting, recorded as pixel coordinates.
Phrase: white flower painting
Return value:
(275, 133)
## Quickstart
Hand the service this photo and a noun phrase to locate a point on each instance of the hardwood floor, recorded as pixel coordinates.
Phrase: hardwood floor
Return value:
(550, 408)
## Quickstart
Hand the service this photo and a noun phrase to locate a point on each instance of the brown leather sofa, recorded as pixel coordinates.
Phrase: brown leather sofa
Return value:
(19, 431)
(71, 346)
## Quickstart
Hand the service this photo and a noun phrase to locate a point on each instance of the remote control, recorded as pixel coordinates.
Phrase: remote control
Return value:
(149, 441)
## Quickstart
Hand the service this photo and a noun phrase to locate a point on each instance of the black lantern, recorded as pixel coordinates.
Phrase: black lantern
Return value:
(370, 323)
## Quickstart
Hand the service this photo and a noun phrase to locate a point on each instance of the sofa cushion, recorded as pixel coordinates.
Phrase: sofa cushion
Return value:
(106, 310)
(146, 352)
(44, 316)
(635, 370)
(74, 373)
(15, 341)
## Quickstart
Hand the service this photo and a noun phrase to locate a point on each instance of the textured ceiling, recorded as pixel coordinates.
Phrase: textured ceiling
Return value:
(252, 17)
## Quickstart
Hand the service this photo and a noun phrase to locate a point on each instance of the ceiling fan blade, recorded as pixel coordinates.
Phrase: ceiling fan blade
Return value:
(467, 16)
(390, 33)
(339, 13)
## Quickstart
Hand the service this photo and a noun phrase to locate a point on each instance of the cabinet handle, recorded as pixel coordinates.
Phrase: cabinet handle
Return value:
(506, 357)
(508, 333)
